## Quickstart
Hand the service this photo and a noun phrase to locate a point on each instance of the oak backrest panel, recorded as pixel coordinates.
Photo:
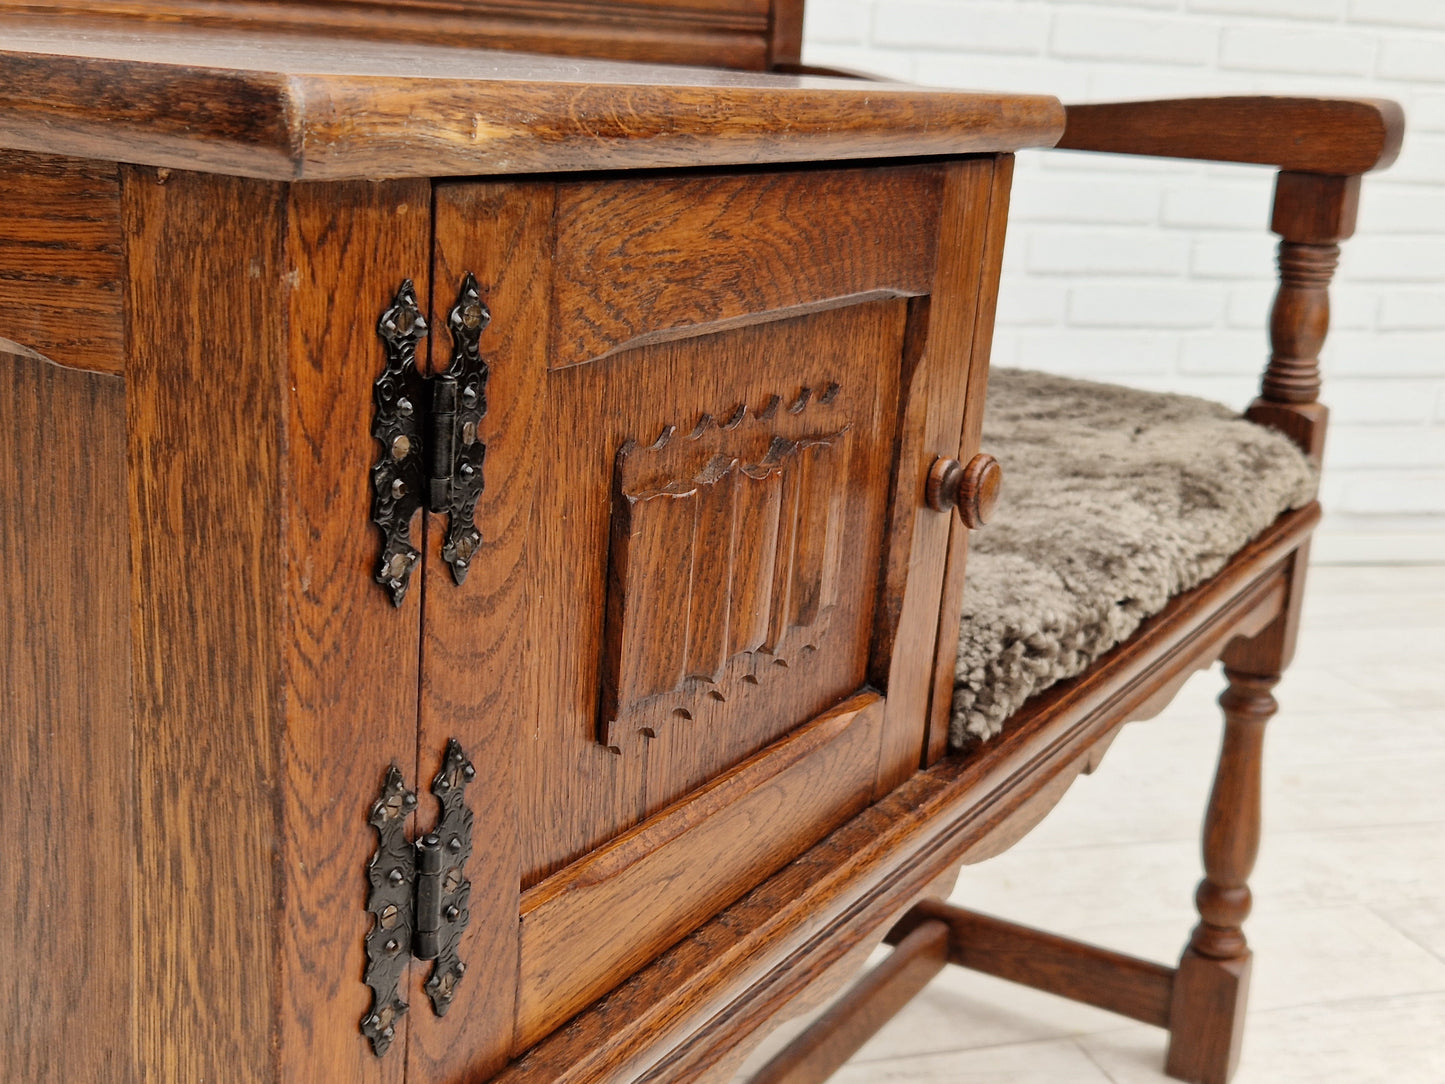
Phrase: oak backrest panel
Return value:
(746, 34)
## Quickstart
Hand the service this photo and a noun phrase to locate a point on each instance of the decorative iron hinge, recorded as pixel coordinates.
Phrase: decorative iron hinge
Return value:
(419, 895)
(431, 453)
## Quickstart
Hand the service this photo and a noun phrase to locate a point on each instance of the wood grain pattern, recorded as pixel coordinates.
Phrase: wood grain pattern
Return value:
(730, 537)
(572, 793)
(724, 33)
(640, 263)
(61, 260)
(474, 688)
(351, 658)
(937, 387)
(208, 584)
(1313, 135)
(67, 882)
(292, 108)
(731, 977)
(950, 608)
(807, 662)
(574, 801)
(587, 928)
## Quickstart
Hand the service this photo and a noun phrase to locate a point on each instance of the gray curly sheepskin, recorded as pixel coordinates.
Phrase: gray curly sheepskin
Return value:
(1114, 500)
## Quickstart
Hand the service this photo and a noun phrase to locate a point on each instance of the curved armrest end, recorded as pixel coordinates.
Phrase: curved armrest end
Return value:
(1339, 136)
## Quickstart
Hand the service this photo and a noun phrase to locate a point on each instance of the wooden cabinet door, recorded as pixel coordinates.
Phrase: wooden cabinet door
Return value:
(706, 574)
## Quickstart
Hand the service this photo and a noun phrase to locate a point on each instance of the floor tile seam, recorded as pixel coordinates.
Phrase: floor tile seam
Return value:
(1347, 829)
(1097, 1064)
(1374, 909)
(1070, 1038)
(1337, 1002)
(1051, 848)
(1431, 751)
(1352, 714)
(1362, 1001)
(1088, 933)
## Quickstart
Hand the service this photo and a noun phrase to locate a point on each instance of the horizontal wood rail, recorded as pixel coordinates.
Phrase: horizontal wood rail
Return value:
(933, 934)
(1308, 135)
(1138, 989)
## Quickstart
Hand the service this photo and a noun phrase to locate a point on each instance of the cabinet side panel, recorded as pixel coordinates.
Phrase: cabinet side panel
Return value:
(352, 657)
(203, 404)
(906, 631)
(60, 259)
(67, 821)
(951, 608)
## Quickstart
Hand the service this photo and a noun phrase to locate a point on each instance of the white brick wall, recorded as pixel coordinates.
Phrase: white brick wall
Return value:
(1160, 274)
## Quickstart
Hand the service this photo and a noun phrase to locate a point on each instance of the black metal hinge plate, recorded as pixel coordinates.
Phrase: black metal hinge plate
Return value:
(419, 895)
(432, 453)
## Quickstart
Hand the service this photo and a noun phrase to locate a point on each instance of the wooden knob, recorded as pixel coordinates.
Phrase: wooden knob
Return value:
(973, 489)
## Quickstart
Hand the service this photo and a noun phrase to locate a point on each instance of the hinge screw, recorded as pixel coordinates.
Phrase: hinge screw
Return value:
(401, 447)
(467, 470)
(455, 844)
(469, 396)
(409, 800)
(461, 968)
(453, 913)
(404, 407)
(392, 946)
(396, 876)
(398, 489)
(468, 772)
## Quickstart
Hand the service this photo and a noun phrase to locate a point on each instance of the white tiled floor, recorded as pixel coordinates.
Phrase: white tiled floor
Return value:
(1349, 920)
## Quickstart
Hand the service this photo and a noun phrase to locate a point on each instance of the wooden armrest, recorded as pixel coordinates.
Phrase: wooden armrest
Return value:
(1341, 136)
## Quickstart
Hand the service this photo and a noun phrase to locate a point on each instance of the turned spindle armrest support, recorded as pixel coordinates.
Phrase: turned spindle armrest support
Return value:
(1321, 146)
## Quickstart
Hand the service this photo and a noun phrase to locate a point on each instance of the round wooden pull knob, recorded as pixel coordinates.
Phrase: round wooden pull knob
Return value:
(973, 489)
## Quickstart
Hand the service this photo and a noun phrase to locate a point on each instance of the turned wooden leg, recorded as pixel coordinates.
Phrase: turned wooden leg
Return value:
(1206, 1014)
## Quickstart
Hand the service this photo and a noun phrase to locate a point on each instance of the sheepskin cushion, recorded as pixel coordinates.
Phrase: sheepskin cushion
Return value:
(1114, 500)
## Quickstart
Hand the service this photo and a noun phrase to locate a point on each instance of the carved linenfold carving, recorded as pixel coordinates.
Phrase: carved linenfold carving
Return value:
(725, 542)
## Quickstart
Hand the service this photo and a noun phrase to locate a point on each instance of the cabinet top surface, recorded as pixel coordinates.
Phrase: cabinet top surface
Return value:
(293, 107)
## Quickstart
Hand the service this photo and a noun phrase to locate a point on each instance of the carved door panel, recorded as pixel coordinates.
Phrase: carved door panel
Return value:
(709, 414)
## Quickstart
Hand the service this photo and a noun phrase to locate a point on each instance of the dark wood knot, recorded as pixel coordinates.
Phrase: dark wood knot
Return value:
(973, 489)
